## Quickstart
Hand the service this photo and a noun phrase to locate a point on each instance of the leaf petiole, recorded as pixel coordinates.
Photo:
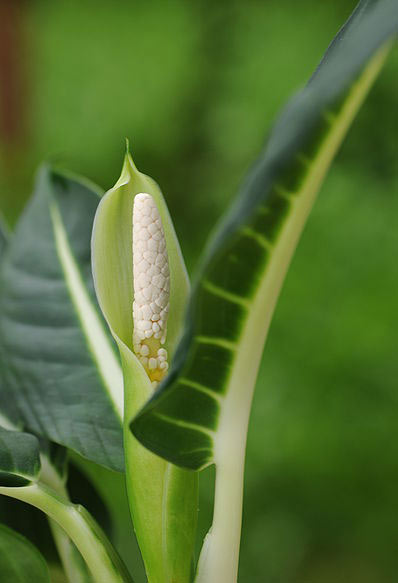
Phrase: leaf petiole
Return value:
(104, 563)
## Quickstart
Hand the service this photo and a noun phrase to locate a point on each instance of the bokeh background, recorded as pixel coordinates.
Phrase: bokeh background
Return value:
(195, 86)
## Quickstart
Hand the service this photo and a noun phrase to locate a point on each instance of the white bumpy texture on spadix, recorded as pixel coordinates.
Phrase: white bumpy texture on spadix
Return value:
(151, 287)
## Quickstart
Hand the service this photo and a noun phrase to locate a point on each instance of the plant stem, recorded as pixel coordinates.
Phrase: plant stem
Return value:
(220, 552)
(102, 560)
(219, 557)
(73, 563)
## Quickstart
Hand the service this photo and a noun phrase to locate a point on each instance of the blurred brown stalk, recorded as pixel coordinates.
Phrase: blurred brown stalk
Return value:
(13, 82)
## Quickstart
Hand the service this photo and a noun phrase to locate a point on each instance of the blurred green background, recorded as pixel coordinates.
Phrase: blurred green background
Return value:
(195, 86)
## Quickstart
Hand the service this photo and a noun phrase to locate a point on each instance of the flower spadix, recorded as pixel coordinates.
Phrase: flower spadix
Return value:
(142, 288)
(151, 287)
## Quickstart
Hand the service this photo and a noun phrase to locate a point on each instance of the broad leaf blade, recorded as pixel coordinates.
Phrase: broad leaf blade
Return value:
(20, 561)
(204, 403)
(19, 458)
(62, 378)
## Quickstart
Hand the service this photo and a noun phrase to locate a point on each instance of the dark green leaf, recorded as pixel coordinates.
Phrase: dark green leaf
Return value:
(20, 561)
(245, 264)
(62, 378)
(19, 458)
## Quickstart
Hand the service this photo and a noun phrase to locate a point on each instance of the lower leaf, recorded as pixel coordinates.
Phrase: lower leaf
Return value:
(20, 560)
(102, 560)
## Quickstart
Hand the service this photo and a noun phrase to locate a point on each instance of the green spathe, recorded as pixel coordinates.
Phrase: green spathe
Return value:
(162, 497)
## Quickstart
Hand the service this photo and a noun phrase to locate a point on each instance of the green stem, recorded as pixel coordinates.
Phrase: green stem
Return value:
(219, 557)
(102, 560)
(74, 566)
(220, 551)
(162, 497)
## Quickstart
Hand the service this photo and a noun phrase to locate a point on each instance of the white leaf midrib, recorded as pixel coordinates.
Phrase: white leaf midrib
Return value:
(92, 327)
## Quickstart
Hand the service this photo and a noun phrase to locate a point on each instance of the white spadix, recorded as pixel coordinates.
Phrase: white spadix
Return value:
(151, 278)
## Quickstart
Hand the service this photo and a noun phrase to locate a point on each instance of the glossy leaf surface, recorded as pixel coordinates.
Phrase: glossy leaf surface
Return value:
(62, 378)
(202, 408)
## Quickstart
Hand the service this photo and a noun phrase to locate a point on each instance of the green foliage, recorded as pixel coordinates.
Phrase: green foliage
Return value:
(19, 458)
(162, 497)
(245, 264)
(54, 343)
(321, 440)
(20, 561)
